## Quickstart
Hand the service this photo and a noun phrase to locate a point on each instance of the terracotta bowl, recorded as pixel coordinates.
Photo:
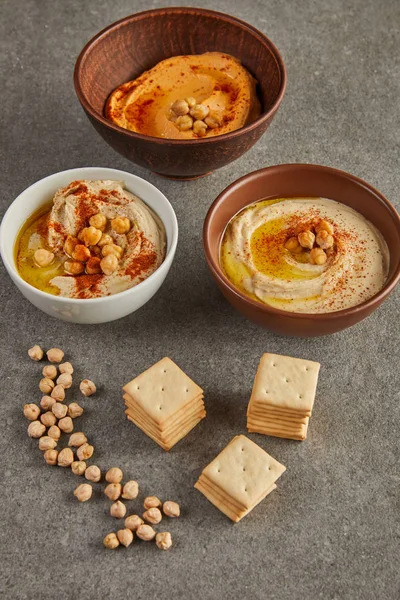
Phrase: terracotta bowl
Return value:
(129, 47)
(301, 180)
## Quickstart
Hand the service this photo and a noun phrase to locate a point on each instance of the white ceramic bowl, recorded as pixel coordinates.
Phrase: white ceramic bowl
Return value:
(96, 310)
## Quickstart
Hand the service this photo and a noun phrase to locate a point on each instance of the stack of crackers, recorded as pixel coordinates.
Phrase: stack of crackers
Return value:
(283, 395)
(240, 477)
(164, 403)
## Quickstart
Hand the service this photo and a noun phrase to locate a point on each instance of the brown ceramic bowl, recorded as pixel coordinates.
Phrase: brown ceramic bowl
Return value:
(301, 180)
(129, 47)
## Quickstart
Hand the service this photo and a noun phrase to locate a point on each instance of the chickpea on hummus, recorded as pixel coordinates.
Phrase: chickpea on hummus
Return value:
(305, 255)
(187, 97)
(96, 240)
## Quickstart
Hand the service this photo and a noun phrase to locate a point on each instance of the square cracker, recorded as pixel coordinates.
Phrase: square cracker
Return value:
(162, 390)
(196, 404)
(243, 470)
(286, 382)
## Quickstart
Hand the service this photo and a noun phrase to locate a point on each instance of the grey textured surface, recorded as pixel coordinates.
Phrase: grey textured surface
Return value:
(331, 530)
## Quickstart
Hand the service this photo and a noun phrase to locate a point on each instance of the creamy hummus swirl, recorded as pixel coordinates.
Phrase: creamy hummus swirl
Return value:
(254, 258)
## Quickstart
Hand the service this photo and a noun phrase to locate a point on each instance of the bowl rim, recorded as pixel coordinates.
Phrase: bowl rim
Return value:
(217, 272)
(165, 265)
(188, 10)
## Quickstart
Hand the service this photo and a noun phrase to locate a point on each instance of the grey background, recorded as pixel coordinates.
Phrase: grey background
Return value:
(331, 530)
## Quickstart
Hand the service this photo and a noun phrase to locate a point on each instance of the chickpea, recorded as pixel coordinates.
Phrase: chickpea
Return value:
(109, 264)
(191, 101)
(54, 432)
(93, 266)
(164, 540)
(152, 515)
(199, 111)
(55, 355)
(51, 456)
(81, 253)
(213, 120)
(118, 510)
(85, 451)
(73, 267)
(306, 239)
(78, 467)
(105, 239)
(77, 439)
(46, 385)
(199, 128)
(130, 490)
(66, 424)
(111, 541)
(113, 491)
(59, 410)
(180, 107)
(65, 457)
(69, 244)
(93, 473)
(49, 371)
(145, 533)
(133, 522)
(114, 475)
(66, 368)
(47, 402)
(318, 256)
(43, 258)
(125, 537)
(31, 412)
(324, 239)
(65, 379)
(90, 236)
(112, 249)
(74, 410)
(324, 225)
(58, 393)
(171, 509)
(47, 443)
(293, 245)
(87, 387)
(184, 123)
(121, 225)
(152, 502)
(83, 492)
(36, 429)
(98, 221)
(35, 353)
(48, 419)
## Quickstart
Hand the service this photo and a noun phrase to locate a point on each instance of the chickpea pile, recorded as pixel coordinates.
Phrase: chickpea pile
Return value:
(187, 114)
(313, 242)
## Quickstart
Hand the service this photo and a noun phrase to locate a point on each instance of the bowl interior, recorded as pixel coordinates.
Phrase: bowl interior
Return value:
(129, 47)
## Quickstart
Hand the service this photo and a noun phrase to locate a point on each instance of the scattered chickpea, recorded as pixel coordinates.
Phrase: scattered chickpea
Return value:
(83, 492)
(199, 128)
(111, 541)
(118, 510)
(87, 387)
(121, 225)
(69, 244)
(293, 245)
(59, 410)
(213, 120)
(306, 239)
(191, 101)
(133, 522)
(93, 266)
(109, 264)
(180, 107)
(46, 385)
(112, 249)
(58, 393)
(324, 239)
(184, 123)
(66, 368)
(36, 429)
(74, 410)
(50, 456)
(164, 540)
(43, 258)
(318, 256)
(152, 502)
(73, 267)
(113, 491)
(105, 239)
(90, 236)
(98, 221)
(47, 443)
(93, 473)
(130, 490)
(125, 537)
(65, 457)
(65, 379)
(152, 515)
(48, 419)
(114, 475)
(54, 432)
(171, 509)
(31, 411)
(77, 439)
(78, 467)
(47, 402)
(66, 424)
(49, 371)
(324, 225)
(85, 451)
(146, 533)
(55, 355)
(199, 112)
(35, 353)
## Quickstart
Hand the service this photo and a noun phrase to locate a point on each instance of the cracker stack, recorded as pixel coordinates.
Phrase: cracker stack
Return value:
(283, 396)
(164, 403)
(240, 477)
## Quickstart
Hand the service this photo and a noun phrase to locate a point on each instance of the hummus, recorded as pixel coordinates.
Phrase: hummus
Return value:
(214, 80)
(140, 248)
(255, 259)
